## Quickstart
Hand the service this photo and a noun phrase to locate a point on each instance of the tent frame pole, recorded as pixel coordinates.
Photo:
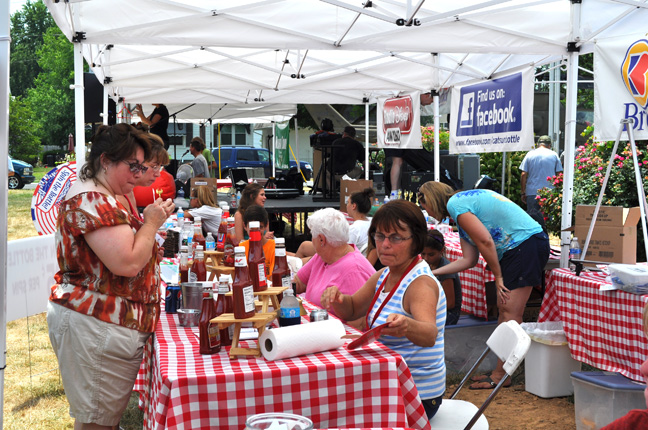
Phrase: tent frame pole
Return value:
(4, 204)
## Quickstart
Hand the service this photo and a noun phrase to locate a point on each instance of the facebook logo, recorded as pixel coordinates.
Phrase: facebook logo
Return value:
(467, 108)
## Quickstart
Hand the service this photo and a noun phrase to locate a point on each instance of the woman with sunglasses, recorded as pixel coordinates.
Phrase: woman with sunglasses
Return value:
(405, 295)
(154, 183)
(512, 243)
(106, 300)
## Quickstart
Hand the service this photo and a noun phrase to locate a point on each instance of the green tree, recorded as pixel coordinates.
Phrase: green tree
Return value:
(24, 143)
(51, 98)
(27, 29)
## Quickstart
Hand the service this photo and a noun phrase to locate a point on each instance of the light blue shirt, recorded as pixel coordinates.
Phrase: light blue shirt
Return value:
(540, 164)
(509, 225)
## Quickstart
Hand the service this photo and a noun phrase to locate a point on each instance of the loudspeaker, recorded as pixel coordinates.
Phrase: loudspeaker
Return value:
(93, 101)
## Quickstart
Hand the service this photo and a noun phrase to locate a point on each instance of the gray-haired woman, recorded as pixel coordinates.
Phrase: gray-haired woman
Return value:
(335, 261)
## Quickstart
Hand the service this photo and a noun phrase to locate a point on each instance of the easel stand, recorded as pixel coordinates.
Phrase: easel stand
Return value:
(627, 125)
(259, 321)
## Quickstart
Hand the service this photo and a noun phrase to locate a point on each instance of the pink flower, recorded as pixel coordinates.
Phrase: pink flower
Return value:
(600, 168)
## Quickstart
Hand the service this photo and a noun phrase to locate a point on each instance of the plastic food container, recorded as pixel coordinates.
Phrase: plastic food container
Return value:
(632, 278)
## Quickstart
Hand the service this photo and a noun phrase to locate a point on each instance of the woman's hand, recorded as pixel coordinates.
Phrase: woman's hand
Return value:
(157, 212)
(502, 291)
(330, 296)
(269, 235)
(398, 325)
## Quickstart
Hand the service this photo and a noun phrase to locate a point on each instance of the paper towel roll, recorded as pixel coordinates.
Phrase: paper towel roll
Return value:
(294, 340)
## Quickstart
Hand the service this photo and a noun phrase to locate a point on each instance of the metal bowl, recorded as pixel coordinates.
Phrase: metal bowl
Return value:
(189, 317)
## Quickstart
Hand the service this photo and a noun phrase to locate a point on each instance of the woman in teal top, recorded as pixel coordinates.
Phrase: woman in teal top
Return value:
(512, 243)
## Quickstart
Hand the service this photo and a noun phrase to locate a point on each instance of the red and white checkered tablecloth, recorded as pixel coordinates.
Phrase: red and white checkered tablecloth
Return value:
(473, 290)
(603, 328)
(182, 389)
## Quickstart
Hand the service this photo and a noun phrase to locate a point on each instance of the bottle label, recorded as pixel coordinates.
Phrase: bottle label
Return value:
(210, 246)
(262, 277)
(286, 281)
(221, 237)
(248, 298)
(280, 252)
(239, 260)
(289, 312)
(223, 288)
(193, 277)
(214, 335)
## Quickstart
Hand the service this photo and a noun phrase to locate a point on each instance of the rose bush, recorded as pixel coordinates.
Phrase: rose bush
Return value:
(590, 164)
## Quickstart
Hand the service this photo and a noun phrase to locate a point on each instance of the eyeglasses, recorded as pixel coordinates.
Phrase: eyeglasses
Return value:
(394, 239)
(157, 168)
(135, 167)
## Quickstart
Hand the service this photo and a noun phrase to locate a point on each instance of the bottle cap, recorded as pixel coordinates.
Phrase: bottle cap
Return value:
(239, 249)
(225, 208)
(230, 219)
(197, 219)
(209, 234)
(254, 224)
(224, 278)
(279, 240)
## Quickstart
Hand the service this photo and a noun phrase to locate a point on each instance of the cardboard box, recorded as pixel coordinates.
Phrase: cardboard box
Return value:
(210, 182)
(614, 237)
(348, 187)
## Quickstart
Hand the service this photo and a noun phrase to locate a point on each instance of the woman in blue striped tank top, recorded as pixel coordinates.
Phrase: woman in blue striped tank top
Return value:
(404, 294)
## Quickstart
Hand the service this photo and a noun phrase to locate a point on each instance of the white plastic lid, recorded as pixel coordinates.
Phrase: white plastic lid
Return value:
(224, 278)
(230, 219)
(239, 249)
(280, 240)
(254, 224)
(197, 219)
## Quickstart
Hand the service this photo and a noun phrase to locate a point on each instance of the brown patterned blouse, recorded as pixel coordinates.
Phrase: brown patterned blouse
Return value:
(84, 284)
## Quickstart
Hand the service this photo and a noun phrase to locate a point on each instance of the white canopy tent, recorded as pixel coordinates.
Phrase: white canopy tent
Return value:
(345, 49)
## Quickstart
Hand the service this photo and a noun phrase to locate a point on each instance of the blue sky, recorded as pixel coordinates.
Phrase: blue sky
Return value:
(16, 5)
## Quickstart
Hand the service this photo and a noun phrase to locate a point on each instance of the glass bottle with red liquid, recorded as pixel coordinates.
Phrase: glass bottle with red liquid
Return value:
(198, 272)
(184, 265)
(198, 237)
(281, 271)
(210, 341)
(224, 306)
(256, 258)
(222, 230)
(242, 289)
(230, 243)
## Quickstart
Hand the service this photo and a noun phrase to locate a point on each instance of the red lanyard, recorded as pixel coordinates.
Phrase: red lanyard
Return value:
(391, 293)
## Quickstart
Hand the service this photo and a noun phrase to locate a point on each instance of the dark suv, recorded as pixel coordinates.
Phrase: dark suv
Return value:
(234, 157)
(23, 175)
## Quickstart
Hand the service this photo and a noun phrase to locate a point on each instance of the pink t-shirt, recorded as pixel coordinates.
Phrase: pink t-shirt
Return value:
(349, 273)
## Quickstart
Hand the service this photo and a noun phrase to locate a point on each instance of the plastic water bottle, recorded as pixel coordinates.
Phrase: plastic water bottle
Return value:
(394, 195)
(386, 199)
(180, 217)
(574, 252)
(238, 198)
(180, 193)
(289, 309)
(210, 243)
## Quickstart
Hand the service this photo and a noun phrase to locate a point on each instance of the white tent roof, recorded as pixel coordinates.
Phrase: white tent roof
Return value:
(230, 113)
(496, 26)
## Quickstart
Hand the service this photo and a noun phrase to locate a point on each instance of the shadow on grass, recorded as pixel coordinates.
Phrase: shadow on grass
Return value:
(53, 392)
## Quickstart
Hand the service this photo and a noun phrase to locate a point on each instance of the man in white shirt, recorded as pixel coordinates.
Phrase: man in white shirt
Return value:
(538, 165)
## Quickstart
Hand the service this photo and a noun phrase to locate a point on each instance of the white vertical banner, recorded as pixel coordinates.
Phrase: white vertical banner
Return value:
(620, 86)
(399, 121)
(494, 115)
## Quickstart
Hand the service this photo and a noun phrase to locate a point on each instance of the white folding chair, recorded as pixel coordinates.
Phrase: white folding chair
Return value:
(510, 343)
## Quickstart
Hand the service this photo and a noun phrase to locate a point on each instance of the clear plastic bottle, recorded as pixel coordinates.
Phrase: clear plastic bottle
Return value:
(289, 309)
(386, 200)
(238, 198)
(187, 236)
(393, 195)
(180, 217)
(210, 243)
(574, 252)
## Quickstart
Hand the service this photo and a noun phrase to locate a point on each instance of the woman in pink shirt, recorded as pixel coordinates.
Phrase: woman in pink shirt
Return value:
(335, 261)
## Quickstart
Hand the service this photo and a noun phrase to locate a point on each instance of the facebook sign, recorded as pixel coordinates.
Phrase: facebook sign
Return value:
(492, 116)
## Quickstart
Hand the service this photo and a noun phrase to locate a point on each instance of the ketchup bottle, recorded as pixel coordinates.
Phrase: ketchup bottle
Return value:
(242, 289)
(198, 237)
(256, 258)
(210, 341)
(222, 230)
(198, 270)
(184, 265)
(281, 271)
(224, 306)
(230, 243)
